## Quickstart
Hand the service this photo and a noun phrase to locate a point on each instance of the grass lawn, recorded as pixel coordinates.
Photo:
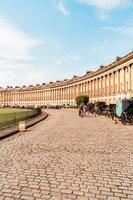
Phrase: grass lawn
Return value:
(12, 110)
(9, 116)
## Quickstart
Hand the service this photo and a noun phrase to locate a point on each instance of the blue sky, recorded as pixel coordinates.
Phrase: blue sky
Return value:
(49, 40)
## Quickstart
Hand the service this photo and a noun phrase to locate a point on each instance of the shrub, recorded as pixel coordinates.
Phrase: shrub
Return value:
(82, 99)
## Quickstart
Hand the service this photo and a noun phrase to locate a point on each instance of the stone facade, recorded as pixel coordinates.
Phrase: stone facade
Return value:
(108, 83)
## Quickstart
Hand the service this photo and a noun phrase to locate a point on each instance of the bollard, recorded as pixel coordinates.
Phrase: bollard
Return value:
(115, 120)
(22, 126)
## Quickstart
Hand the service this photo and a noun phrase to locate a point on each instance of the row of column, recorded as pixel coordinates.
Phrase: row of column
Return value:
(113, 83)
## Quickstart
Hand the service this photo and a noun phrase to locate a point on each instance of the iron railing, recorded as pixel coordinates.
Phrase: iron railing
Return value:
(8, 119)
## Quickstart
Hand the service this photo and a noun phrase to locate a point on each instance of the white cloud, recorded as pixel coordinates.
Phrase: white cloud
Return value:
(61, 7)
(15, 44)
(16, 73)
(15, 55)
(104, 4)
(66, 60)
(127, 30)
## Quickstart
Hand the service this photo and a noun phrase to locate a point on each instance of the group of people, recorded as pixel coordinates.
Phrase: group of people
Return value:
(83, 111)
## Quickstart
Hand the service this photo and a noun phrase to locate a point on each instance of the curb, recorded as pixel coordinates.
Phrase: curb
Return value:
(5, 132)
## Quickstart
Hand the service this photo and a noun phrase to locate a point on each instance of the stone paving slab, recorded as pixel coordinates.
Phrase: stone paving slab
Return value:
(68, 158)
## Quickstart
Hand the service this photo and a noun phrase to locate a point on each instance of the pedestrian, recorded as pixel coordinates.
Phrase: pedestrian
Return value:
(81, 111)
(85, 110)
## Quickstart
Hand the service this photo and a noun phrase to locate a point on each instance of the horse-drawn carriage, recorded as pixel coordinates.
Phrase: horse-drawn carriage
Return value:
(97, 108)
(100, 107)
(110, 111)
(91, 108)
(124, 110)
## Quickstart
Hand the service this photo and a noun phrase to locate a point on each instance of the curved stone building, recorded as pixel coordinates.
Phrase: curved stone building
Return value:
(108, 83)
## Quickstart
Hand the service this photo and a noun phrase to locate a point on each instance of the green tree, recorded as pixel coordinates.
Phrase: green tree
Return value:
(82, 99)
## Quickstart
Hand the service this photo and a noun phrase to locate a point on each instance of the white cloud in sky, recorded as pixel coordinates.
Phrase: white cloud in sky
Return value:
(15, 44)
(15, 55)
(127, 30)
(104, 4)
(66, 60)
(61, 7)
(17, 73)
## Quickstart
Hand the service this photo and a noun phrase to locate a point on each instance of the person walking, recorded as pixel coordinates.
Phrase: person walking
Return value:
(81, 108)
(85, 110)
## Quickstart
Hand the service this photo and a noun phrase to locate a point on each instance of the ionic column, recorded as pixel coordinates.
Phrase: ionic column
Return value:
(60, 94)
(72, 91)
(101, 86)
(67, 93)
(88, 88)
(54, 94)
(117, 79)
(79, 92)
(97, 80)
(91, 88)
(75, 91)
(81, 89)
(63, 93)
(124, 78)
(111, 81)
(105, 85)
(57, 94)
(113, 84)
(84, 88)
(50, 94)
(98, 87)
(129, 77)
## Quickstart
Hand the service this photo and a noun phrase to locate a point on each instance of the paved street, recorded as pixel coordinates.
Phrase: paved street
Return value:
(67, 158)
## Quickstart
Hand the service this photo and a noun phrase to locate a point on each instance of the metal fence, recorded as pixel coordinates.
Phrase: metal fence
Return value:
(8, 119)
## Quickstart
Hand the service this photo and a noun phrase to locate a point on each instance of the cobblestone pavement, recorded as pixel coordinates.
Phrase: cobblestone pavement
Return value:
(68, 158)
